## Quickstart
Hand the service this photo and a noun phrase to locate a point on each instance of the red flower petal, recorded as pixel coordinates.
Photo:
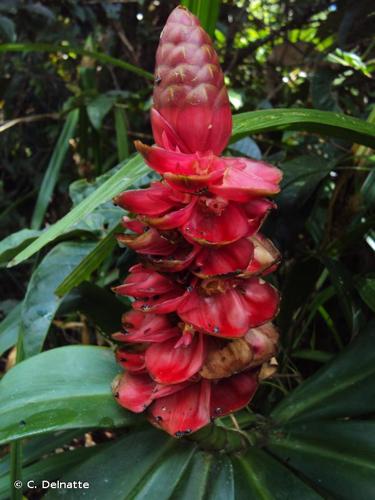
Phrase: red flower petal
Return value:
(245, 179)
(224, 260)
(172, 219)
(216, 226)
(132, 361)
(233, 393)
(153, 201)
(134, 391)
(232, 312)
(142, 327)
(168, 364)
(142, 282)
(149, 242)
(185, 411)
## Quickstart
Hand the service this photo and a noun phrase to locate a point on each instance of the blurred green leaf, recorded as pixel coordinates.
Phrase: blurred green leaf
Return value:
(41, 302)
(121, 134)
(9, 329)
(67, 49)
(98, 108)
(344, 387)
(8, 29)
(366, 289)
(64, 388)
(53, 170)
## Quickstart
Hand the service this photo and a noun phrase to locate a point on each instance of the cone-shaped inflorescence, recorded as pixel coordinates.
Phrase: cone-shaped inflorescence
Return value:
(199, 337)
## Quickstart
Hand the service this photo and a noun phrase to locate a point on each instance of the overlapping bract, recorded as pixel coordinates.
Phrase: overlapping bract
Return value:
(199, 337)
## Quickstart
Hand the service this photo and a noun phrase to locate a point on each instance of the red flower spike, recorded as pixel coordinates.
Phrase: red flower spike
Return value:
(191, 109)
(198, 338)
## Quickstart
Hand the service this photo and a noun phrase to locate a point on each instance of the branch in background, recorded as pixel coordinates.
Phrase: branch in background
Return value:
(28, 119)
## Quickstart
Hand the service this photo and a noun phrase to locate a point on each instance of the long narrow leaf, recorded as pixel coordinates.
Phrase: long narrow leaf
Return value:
(91, 262)
(130, 171)
(67, 49)
(53, 169)
(309, 120)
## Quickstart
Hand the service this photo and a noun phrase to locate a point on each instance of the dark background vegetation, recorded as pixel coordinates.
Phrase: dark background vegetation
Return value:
(317, 54)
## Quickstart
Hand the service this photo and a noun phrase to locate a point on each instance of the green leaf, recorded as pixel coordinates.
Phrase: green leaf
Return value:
(101, 306)
(9, 328)
(336, 456)
(121, 134)
(247, 147)
(257, 475)
(64, 388)
(41, 303)
(53, 170)
(67, 49)
(89, 263)
(8, 28)
(130, 172)
(98, 108)
(14, 243)
(344, 387)
(309, 120)
(301, 177)
(366, 289)
(155, 460)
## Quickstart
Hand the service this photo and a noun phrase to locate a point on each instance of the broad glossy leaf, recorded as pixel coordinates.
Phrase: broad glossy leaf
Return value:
(65, 388)
(41, 302)
(257, 475)
(301, 176)
(131, 465)
(310, 120)
(336, 456)
(129, 172)
(344, 387)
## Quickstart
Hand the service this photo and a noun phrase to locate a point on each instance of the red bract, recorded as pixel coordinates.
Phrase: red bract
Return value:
(198, 338)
